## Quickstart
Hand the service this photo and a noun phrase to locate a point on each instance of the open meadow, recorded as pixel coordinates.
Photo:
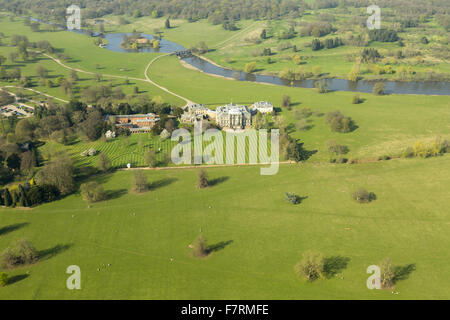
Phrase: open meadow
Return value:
(258, 235)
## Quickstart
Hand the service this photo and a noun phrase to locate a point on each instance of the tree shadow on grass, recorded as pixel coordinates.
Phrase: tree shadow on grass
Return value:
(217, 181)
(403, 272)
(335, 264)
(17, 278)
(12, 227)
(114, 194)
(53, 251)
(218, 246)
(161, 183)
(305, 154)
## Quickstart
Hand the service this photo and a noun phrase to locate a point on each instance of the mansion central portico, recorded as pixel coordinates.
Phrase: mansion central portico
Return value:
(233, 116)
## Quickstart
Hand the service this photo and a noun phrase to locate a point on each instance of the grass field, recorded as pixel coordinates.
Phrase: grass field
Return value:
(140, 234)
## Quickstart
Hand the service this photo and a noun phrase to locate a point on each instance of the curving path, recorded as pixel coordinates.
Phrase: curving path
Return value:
(188, 102)
(36, 91)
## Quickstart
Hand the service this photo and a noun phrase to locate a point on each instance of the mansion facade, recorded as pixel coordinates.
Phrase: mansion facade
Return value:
(230, 116)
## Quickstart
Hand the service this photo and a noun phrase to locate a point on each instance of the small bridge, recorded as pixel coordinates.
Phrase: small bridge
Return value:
(183, 54)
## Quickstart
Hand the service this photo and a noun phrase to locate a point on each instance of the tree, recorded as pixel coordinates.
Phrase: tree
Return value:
(263, 34)
(73, 76)
(22, 196)
(66, 86)
(35, 195)
(316, 44)
(297, 59)
(150, 158)
(13, 161)
(21, 253)
(338, 122)
(24, 130)
(250, 67)
(139, 183)
(202, 179)
(200, 247)
(387, 275)
(28, 161)
(92, 192)
(13, 56)
(353, 75)
(7, 198)
(292, 198)
(321, 86)
(58, 173)
(311, 267)
(356, 99)
(104, 163)
(379, 89)
(286, 101)
(41, 72)
(363, 196)
(5, 98)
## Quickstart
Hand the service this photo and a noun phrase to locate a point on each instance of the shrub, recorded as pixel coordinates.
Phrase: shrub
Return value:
(383, 35)
(139, 183)
(363, 196)
(356, 99)
(421, 149)
(379, 89)
(311, 266)
(22, 253)
(292, 198)
(445, 146)
(321, 86)
(338, 122)
(3, 279)
(49, 192)
(408, 153)
(250, 67)
(385, 157)
(92, 192)
(337, 149)
(202, 179)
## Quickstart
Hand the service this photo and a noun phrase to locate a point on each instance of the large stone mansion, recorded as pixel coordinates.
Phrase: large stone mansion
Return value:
(230, 116)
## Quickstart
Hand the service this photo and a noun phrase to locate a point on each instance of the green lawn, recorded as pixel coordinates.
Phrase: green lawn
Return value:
(140, 234)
